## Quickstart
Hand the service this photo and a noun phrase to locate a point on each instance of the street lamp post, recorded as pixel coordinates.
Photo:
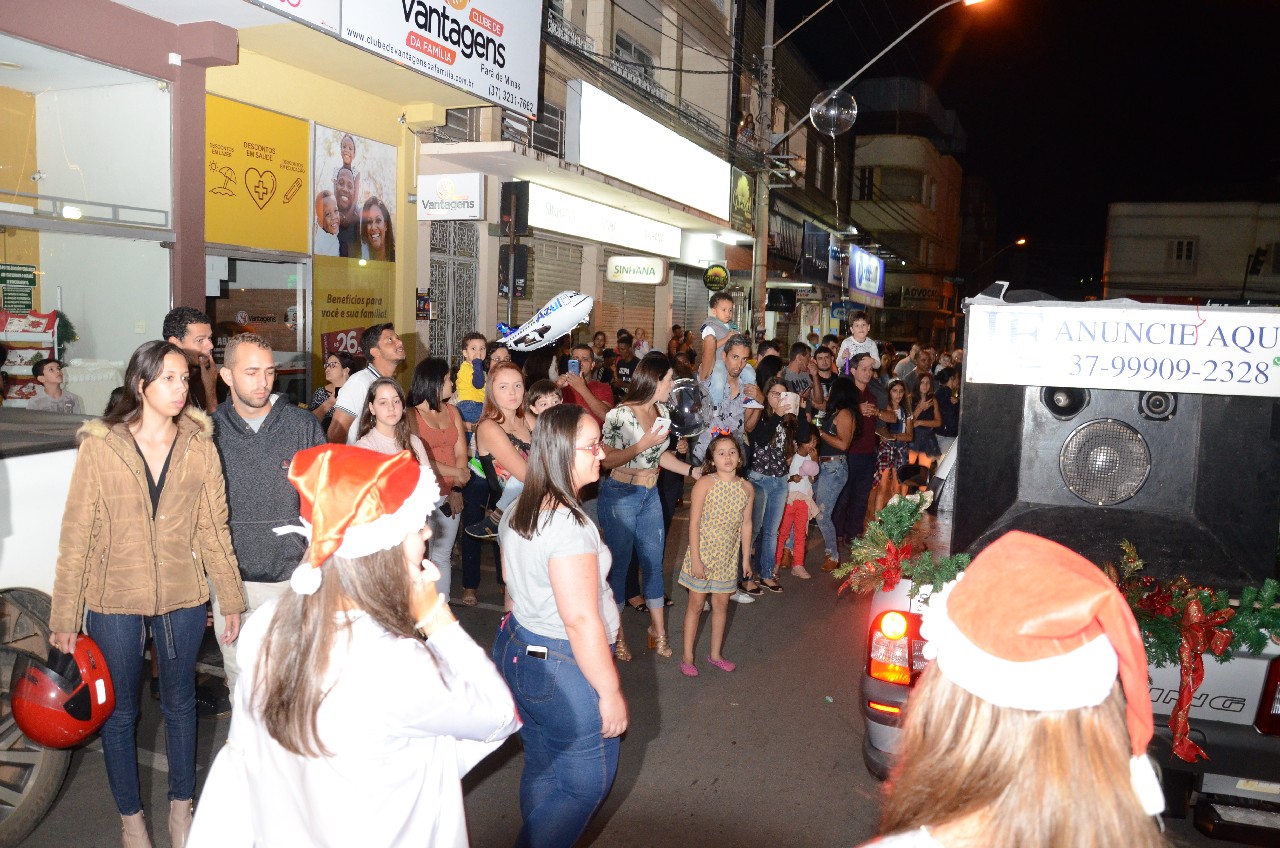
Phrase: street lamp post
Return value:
(967, 276)
(769, 142)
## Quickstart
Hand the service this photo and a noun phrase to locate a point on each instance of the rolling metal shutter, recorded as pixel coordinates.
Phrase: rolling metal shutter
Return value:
(688, 298)
(554, 266)
(629, 305)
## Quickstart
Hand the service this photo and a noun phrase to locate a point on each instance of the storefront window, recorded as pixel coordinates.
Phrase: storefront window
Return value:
(270, 299)
(81, 141)
(85, 203)
(112, 293)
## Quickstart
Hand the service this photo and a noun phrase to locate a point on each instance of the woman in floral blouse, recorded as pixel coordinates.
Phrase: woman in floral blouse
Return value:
(635, 441)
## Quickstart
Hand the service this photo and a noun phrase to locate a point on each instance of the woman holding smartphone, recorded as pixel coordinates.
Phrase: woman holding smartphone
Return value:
(924, 449)
(635, 444)
(553, 648)
(773, 443)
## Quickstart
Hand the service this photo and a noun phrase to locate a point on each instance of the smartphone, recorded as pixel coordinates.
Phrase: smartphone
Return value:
(790, 403)
(661, 425)
(575, 367)
(536, 651)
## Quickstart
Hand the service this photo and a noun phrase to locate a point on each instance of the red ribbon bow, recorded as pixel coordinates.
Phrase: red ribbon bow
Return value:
(1158, 601)
(1200, 632)
(891, 564)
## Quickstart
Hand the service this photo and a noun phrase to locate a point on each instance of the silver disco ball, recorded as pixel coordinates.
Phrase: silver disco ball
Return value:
(685, 407)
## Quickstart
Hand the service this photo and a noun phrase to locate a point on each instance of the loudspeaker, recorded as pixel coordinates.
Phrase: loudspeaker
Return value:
(1192, 480)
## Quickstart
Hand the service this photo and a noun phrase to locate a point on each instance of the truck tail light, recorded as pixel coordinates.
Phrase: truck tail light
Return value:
(1268, 720)
(895, 648)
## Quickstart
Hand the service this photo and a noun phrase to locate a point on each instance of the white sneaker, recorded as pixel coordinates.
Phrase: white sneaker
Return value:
(742, 597)
(801, 572)
(706, 606)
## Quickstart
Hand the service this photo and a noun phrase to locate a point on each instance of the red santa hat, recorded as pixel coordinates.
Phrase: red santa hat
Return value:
(1035, 626)
(355, 502)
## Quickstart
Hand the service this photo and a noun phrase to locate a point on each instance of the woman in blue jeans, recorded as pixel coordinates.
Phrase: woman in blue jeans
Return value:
(144, 532)
(554, 644)
(773, 443)
(635, 443)
(834, 437)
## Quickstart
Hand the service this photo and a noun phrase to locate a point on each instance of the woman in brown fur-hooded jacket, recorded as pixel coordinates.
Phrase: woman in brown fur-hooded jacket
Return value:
(145, 531)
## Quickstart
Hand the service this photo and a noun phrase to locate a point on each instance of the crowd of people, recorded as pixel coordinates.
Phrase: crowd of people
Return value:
(567, 463)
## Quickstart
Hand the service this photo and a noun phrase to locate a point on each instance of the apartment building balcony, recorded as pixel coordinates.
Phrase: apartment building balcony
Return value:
(568, 33)
(635, 75)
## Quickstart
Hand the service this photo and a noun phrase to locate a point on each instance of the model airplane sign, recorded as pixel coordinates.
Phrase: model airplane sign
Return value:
(561, 314)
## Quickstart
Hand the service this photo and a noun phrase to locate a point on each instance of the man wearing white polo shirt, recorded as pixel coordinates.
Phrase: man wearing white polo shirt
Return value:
(384, 351)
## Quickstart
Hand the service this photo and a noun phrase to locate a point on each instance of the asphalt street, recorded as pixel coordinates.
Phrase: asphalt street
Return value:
(769, 755)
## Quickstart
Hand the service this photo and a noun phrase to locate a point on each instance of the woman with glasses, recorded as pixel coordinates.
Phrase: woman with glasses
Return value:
(553, 648)
(337, 368)
(635, 443)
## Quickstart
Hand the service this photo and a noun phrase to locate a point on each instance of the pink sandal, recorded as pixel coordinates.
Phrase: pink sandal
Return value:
(723, 665)
(688, 669)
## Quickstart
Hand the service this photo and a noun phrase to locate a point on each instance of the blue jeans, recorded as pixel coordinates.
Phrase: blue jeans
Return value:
(475, 497)
(177, 643)
(568, 766)
(831, 482)
(766, 517)
(631, 519)
(851, 511)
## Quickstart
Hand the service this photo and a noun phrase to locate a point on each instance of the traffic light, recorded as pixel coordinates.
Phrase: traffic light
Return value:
(1255, 261)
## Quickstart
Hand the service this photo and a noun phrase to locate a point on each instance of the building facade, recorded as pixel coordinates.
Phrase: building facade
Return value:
(199, 146)
(1193, 252)
(908, 185)
(629, 158)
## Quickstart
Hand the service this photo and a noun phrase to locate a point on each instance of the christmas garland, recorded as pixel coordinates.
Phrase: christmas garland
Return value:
(1179, 621)
(880, 559)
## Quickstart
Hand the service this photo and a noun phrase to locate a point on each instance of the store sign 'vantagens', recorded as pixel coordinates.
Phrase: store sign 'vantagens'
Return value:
(490, 52)
(451, 197)
(635, 269)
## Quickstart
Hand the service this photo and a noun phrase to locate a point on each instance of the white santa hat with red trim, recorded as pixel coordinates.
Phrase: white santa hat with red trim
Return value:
(355, 502)
(1035, 626)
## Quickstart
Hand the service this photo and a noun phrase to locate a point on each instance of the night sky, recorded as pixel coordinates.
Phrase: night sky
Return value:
(1069, 105)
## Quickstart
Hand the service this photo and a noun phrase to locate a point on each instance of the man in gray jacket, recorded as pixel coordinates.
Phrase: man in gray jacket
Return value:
(257, 434)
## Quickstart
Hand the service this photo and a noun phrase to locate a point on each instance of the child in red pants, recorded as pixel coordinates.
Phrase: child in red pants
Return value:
(800, 506)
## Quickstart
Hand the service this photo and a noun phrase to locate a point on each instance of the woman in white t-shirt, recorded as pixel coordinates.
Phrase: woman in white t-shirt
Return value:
(555, 644)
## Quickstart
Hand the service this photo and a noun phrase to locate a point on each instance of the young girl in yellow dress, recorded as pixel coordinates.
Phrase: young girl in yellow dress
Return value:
(719, 525)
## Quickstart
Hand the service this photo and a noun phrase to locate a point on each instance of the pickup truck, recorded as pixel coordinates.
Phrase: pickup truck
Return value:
(37, 455)
(1095, 423)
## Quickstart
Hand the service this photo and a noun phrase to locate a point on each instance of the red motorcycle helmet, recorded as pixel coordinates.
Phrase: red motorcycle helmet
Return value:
(60, 702)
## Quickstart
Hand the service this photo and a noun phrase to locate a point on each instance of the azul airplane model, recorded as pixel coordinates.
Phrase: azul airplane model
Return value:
(561, 314)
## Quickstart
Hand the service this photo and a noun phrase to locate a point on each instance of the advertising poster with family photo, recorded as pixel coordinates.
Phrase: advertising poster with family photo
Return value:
(354, 196)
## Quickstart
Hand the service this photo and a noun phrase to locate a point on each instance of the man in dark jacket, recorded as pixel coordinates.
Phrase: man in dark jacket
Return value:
(257, 434)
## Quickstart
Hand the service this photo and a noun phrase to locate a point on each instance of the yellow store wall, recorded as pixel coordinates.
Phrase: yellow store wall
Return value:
(271, 84)
(17, 164)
